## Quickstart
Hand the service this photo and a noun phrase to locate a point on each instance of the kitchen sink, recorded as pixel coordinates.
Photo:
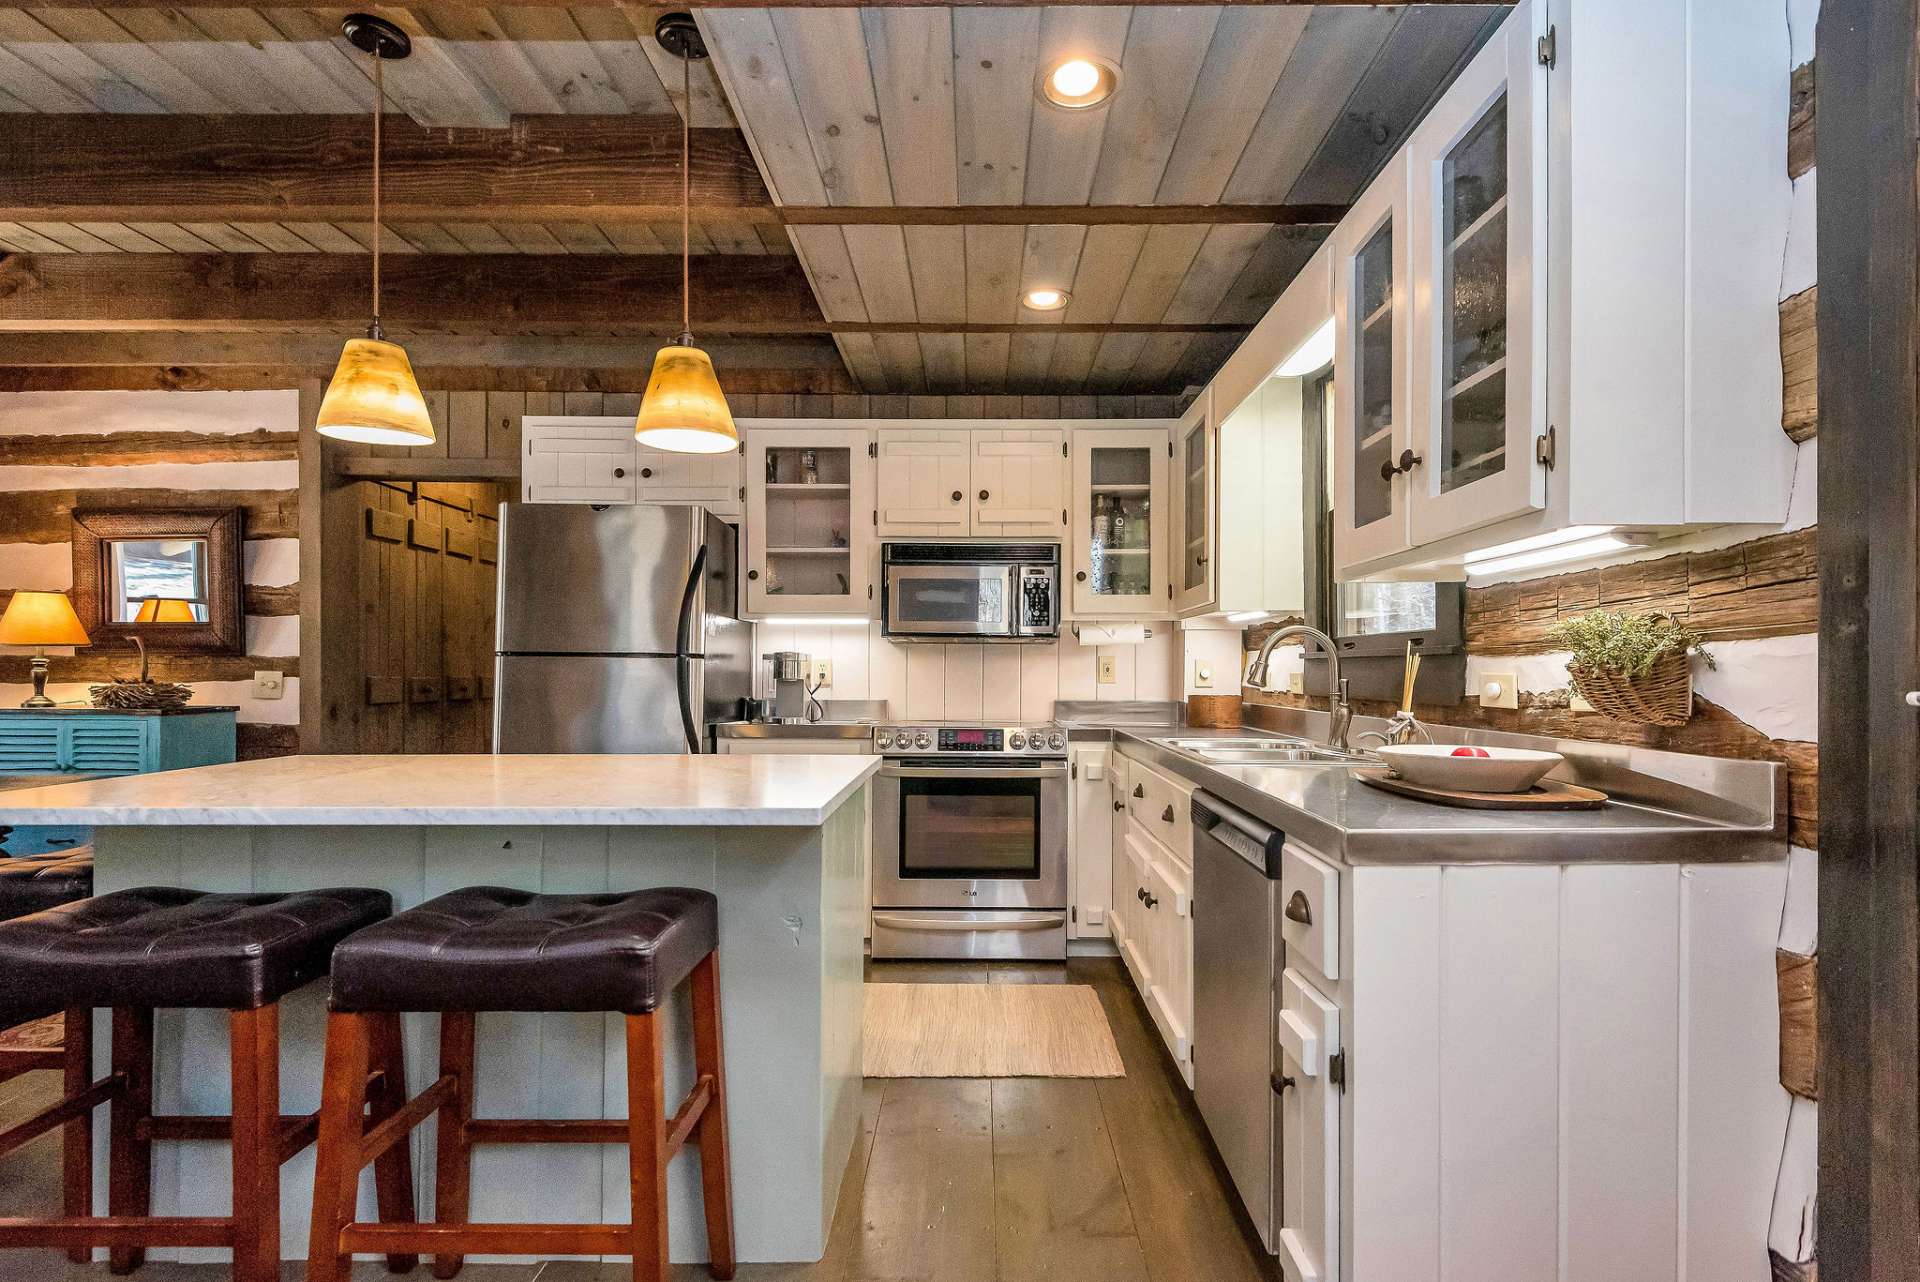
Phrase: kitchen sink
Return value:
(1242, 751)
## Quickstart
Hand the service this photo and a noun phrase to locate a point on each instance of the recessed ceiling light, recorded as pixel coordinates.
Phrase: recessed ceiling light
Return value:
(1077, 83)
(1045, 299)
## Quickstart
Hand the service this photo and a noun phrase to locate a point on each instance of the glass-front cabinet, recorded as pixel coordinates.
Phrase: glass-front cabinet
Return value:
(810, 512)
(1119, 523)
(1372, 329)
(1477, 193)
(1196, 503)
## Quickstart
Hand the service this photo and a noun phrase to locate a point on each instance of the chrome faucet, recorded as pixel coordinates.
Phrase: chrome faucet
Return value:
(1339, 708)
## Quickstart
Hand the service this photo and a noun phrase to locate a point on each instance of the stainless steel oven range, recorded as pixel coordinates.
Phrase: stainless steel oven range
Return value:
(970, 842)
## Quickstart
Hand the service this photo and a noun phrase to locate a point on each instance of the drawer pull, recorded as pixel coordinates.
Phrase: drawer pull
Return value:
(1166, 816)
(1297, 909)
(1139, 790)
(957, 496)
(646, 473)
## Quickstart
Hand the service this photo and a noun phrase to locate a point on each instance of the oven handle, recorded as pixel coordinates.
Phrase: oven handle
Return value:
(973, 772)
(1025, 921)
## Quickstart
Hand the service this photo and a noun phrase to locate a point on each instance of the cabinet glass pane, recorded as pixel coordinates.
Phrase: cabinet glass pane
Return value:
(1473, 304)
(1194, 480)
(1121, 561)
(1373, 377)
(809, 521)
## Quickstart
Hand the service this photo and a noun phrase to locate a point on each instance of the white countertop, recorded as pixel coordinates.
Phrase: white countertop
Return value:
(648, 791)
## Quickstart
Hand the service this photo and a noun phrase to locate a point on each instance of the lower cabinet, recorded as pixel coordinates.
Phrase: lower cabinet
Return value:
(1152, 916)
(1090, 839)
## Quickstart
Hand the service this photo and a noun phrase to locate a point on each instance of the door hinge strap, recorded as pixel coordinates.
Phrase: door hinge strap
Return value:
(1337, 1069)
(1549, 48)
(1545, 448)
(873, 450)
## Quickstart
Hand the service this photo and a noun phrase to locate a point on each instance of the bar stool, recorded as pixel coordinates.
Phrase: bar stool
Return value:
(31, 884)
(491, 949)
(163, 947)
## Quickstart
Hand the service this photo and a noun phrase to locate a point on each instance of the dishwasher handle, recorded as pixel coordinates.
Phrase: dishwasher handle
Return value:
(1256, 842)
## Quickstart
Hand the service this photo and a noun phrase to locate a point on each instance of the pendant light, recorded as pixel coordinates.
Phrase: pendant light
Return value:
(374, 398)
(684, 410)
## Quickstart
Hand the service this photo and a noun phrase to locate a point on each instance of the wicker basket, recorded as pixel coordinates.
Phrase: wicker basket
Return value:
(1661, 697)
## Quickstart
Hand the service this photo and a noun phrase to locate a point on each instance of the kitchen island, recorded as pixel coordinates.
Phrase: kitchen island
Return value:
(778, 840)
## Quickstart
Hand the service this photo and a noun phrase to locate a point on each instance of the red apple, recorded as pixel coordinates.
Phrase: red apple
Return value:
(1471, 752)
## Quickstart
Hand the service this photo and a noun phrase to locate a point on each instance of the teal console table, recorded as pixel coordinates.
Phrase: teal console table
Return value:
(91, 742)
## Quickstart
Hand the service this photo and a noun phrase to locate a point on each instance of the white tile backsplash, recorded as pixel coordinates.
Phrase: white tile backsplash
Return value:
(972, 681)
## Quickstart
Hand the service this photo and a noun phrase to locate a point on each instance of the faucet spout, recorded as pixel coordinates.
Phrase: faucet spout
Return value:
(1339, 707)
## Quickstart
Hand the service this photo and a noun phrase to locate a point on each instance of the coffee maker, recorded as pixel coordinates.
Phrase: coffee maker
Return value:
(789, 685)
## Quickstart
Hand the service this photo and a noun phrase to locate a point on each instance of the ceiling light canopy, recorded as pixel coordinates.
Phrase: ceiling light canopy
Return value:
(1045, 298)
(1079, 82)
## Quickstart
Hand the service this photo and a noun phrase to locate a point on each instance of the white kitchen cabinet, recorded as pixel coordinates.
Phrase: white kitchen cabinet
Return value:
(711, 480)
(1153, 900)
(1120, 566)
(1586, 239)
(1090, 838)
(925, 480)
(1308, 1031)
(578, 460)
(809, 519)
(1123, 886)
(1196, 520)
(1169, 993)
(1019, 482)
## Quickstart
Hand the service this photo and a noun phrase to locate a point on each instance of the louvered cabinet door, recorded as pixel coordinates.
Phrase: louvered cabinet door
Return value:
(109, 746)
(29, 746)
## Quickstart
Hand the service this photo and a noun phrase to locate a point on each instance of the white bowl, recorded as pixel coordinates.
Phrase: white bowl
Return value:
(1433, 765)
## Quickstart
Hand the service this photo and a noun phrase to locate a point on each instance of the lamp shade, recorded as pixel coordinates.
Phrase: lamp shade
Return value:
(41, 618)
(374, 397)
(165, 609)
(684, 410)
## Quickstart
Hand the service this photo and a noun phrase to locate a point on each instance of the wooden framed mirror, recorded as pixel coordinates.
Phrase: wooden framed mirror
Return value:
(171, 578)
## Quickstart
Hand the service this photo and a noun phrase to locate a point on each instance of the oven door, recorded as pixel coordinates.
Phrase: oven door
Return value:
(959, 600)
(953, 835)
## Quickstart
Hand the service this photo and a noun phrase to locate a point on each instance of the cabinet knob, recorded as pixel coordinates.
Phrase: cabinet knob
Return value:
(1297, 909)
(1152, 901)
(1119, 805)
(957, 496)
(1139, 790)
(983, 496)
(619, 471)
(1140, 893)
(1081, 577)
(1281, 1085)
(646, 472)
(1199, 560)
(1166, 816)
(1408, 461)
(753, 574)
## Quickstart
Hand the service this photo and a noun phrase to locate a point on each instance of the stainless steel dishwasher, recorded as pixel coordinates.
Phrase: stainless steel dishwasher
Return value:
(1236, 876)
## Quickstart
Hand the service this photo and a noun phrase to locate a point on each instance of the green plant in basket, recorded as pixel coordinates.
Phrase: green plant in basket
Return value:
(1627, 645)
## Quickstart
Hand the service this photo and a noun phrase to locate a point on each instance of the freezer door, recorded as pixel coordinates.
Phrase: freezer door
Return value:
(576, 579)
(589, 703)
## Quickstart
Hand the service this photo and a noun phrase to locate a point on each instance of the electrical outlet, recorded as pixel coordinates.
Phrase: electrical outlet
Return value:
(822, 672)
(269, 685)
(1109, 670)
(1202, 675)
(1296, 683)
(1500, 690)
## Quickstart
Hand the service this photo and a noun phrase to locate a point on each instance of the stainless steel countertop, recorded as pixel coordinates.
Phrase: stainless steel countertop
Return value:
(1666, 807)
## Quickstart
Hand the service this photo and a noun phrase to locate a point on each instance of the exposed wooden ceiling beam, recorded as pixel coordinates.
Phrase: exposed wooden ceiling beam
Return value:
(98, 168)
(735, 380)
(794, 4)
(441, 294)
(241, 350)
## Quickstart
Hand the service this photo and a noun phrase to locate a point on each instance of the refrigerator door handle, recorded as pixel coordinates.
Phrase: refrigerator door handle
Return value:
(687, 722)
(688, 597)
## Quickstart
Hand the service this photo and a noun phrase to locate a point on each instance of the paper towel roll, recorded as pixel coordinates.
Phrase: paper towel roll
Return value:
(1111, 633)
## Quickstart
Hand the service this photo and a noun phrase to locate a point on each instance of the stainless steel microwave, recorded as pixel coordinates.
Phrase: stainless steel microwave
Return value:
(970, 591)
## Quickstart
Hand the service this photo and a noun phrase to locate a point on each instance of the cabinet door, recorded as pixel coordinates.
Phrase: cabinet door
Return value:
(1479, 326)
(1137, 945)
(1309, 1035)
(1092, 843)
(1019, 482)
(575, 460)
(711, 480)
(108, 745)
(1120, 567)
(1170, 995)
(1371, 337)
(1196, 499)
(924, 478)
(810, 547)
(29, 745)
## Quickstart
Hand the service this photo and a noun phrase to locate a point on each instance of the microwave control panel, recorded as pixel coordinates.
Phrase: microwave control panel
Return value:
(1036, 599)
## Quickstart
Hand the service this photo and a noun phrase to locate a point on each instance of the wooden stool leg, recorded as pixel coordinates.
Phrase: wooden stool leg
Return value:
(336, 1167)
(255, 1045)
(393, 1169)
(647, 1147)
(130, 1149)
(453, 1164)
(716, 1176)
(76, 1156)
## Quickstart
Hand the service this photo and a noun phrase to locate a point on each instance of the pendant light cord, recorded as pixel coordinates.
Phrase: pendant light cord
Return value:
(686, 198)
(379, 104)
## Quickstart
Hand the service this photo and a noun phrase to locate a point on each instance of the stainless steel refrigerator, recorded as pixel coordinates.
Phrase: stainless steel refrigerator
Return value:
(618, 629)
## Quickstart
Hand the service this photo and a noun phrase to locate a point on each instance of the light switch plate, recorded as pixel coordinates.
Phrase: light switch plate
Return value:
(1296, 683)
(823, 672)
(1500, 690)
(269, 685)
(1109, 670)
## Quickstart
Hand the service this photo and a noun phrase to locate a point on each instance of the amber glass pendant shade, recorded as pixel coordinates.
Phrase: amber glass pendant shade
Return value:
(374, 398)
(684, 409)
(164, 609)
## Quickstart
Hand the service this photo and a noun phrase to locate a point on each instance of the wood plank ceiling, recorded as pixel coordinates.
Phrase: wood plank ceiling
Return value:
(876, 131)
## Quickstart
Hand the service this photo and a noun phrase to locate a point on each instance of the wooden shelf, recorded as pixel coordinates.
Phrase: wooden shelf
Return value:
(1379, 312)
(397, 468)
(1476, 378)
(801, 487)
(808, 551)
(1105, 551)
(1473, 228)
(1128, 488)
(1368, 442)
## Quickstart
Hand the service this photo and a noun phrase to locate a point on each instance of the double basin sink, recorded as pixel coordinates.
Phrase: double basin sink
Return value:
(1243, 750)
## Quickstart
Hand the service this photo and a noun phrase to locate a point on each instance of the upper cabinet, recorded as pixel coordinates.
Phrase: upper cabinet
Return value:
(956, 481)
(809, 535)
(594, 459)
(1196, 475)
(1119, 523)
(1556, 307)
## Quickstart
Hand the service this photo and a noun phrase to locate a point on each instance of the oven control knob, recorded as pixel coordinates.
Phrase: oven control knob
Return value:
(1037, 738)
(1057, 740)
(883, 741)
(1016, 740)
(921, 740)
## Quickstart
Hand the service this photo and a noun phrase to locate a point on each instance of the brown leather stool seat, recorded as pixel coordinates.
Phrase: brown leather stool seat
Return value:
(489, 948)
(161, 946)
(33, 883)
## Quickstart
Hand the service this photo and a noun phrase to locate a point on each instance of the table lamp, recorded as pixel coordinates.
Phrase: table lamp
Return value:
(41, 619)
(165, 609)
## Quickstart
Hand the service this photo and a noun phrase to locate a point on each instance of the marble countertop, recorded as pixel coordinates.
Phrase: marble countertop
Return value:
(644, 791)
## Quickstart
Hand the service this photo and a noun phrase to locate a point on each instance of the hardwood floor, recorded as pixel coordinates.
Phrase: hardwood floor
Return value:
(952, 1180)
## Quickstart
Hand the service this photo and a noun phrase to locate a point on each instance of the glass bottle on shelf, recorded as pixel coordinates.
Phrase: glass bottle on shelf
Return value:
(1120, 530)
(773, 467)
(809, 469)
